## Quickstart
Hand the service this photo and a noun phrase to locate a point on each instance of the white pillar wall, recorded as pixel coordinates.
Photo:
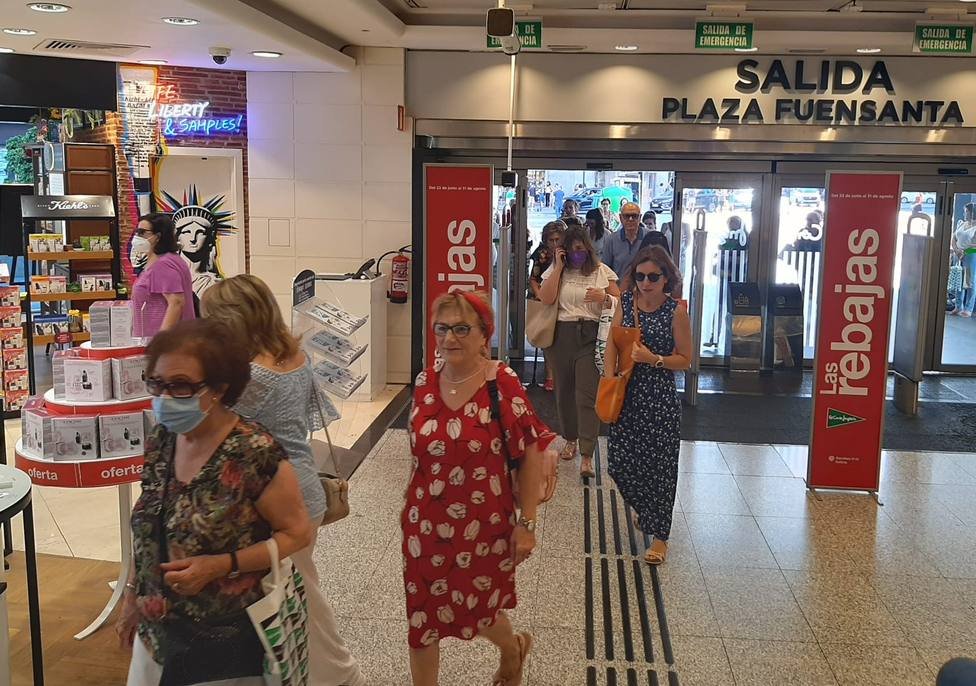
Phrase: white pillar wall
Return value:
(329, 177)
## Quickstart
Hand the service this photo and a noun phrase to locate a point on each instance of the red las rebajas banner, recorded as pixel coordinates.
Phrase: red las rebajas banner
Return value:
(457, 234)
(851, 368)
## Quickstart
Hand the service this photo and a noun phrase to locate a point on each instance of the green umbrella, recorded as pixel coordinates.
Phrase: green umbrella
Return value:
(617, 195)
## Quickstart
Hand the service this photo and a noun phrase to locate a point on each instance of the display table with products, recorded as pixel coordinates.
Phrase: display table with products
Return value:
(16, 498)
(91, 444)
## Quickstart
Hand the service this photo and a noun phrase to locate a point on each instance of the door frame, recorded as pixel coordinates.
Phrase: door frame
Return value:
(944, 233)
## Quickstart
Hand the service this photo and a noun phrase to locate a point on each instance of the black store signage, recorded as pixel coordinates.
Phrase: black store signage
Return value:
(67, 207)
(825, 92)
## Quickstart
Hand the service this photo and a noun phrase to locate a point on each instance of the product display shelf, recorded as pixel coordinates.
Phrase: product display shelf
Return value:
(50, 210)
(72, 256)
(75, 296)
(120, 472)
(75, 338)
(65, 407)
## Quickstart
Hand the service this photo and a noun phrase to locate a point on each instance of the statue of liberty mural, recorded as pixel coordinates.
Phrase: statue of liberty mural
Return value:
(199, 226)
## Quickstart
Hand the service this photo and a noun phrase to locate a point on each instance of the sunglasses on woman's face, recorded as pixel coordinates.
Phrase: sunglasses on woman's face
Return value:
(653, 277)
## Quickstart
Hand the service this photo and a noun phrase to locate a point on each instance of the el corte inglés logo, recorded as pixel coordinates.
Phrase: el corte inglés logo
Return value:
(836, 418)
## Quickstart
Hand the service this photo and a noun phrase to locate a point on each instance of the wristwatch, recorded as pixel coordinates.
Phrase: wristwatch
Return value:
(528, 524)
(660, 362)
(235, 571)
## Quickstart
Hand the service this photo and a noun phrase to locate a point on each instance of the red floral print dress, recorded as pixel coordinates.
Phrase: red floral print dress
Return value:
(459, 513)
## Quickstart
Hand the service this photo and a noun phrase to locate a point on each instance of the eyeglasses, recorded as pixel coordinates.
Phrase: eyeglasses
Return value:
(174, 389)
(144, 233)
(459, 330)
(653, 277)
(630, 216)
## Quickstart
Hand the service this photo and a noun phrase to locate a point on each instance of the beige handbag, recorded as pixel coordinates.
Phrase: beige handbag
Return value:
(540, 322)
(336, 491)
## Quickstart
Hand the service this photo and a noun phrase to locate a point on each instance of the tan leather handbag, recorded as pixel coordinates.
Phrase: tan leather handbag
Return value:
(613, 389)
(336, 491)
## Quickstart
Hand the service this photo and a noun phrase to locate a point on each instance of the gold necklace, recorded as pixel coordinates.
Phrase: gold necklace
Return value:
(453, 391)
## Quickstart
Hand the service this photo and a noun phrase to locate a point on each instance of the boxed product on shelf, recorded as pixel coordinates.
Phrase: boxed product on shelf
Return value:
(96, 243)
(15, 358)
(14, 400)
(336, 380)
(50, 324)
(94, 283)
(129, 377)
(87, 380)
(37, 427)
(86, 322)
(339, 350)
(57, 284)
(57, 367)
(121, 435)
(148, 421)
(9, 296)
(12, 338)
(40, 284)
(75, 438)
(45, 242)
(111, 324)
(16, 380)
(10, 317)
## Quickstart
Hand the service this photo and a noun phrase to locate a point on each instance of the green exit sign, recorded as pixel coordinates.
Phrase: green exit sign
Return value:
(723, 35)
(529, 32)
(945, 39)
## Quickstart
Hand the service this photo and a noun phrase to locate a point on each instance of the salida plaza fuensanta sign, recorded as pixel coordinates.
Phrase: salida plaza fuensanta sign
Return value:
(824, 92)
(851, 368)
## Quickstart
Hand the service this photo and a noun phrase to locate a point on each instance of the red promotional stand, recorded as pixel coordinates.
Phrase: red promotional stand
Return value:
(120, 472)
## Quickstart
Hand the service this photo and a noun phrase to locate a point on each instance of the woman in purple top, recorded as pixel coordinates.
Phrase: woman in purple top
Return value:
(163, 293)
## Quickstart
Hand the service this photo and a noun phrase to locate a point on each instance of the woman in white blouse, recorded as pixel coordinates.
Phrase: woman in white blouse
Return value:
(581, 286)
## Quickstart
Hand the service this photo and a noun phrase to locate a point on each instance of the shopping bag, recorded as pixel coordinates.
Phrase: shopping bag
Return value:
(612, 390)
(955, 276)
(281, 621)
(603, 332)
(540, 323)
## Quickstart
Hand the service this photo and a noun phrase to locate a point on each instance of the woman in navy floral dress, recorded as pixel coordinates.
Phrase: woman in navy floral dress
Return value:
(646, 439)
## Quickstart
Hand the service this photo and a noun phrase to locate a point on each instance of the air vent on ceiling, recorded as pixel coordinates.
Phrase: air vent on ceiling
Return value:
(807, 51)
(60, 45)
(567, 48)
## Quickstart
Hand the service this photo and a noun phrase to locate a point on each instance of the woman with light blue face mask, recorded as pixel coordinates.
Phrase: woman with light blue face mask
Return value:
(214, 488)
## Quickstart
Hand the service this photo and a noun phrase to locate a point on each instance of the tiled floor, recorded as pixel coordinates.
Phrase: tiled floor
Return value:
(766, 583)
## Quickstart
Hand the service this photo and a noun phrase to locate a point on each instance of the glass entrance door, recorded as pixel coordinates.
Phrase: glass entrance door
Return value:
(956, 323)
(509, 270)
(727, 207)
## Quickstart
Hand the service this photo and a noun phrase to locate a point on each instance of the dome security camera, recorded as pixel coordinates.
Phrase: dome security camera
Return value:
(219, 55)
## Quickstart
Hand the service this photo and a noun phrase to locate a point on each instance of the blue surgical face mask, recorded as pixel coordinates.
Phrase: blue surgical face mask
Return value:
(180, 415)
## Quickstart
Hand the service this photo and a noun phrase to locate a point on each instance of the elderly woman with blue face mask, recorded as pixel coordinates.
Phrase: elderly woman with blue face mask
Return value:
(581, 285)
(215, 488)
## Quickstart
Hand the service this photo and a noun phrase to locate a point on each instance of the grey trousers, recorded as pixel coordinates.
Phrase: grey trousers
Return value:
(576, 378)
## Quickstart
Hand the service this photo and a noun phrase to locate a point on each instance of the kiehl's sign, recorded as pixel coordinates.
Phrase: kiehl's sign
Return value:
(824, 92)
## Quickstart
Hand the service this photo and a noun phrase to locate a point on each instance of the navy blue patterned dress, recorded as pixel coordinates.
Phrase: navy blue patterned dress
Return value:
(646, 439)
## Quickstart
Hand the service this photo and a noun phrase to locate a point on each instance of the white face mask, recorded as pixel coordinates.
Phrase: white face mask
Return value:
(141, 246)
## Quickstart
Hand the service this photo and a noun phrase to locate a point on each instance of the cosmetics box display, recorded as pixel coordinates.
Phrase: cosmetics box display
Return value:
(15, 358)
(16, 380)
(14, 401)
(121, 435)
(129, 377)
(10, 317)
(37, 427)
(75, 438)
(96, 243)
(111, 324)
(45, 242)
(57, 367)
(12, 338)
(92, 283)
(50, 324)
(9, 296)
(87, 380)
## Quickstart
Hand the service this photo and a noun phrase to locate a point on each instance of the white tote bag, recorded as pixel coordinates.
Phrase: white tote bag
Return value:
(281, 621)
(603, 332)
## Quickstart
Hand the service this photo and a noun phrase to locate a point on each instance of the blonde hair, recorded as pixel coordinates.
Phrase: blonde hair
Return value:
(246, 305)
(467, 312)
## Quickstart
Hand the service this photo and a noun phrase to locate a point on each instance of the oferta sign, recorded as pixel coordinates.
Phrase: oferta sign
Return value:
(944, 39)
(723, 35)
(529, 32)
(851, 368)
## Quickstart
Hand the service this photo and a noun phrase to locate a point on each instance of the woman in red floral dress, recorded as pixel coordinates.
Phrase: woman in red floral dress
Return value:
(462, 538)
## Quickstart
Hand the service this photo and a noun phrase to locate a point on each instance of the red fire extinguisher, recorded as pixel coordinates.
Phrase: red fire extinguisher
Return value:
(399, 277)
